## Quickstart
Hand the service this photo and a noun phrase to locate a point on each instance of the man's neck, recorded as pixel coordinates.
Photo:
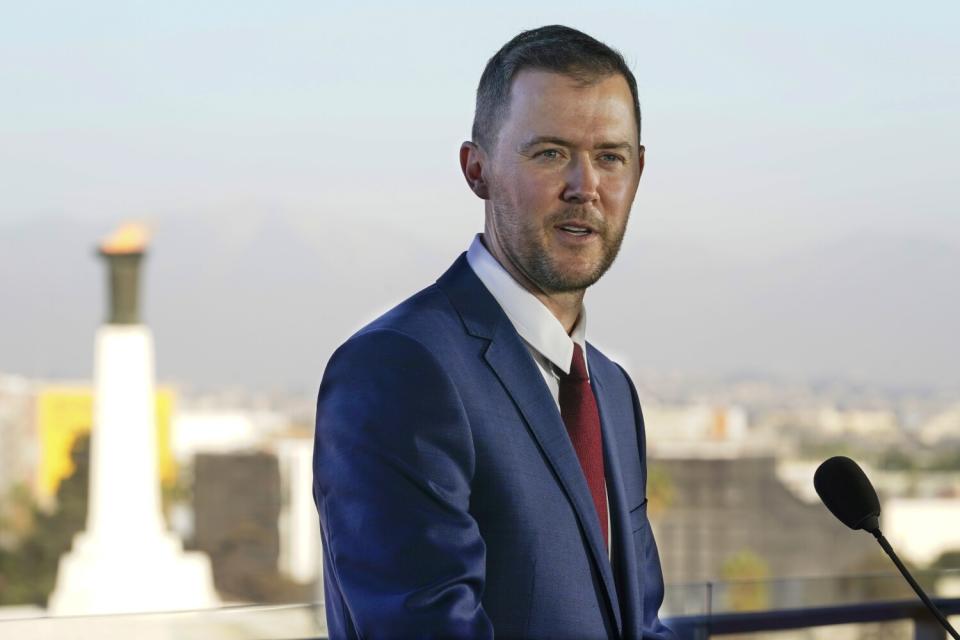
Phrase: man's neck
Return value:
(565, 306)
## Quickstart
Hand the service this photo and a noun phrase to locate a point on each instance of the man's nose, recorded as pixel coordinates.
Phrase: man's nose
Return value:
(582, 182)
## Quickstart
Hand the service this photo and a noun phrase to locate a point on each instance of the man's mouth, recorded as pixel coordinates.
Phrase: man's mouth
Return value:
(575, 230)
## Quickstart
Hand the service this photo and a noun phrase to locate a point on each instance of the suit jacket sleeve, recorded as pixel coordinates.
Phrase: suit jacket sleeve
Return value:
(393, 462)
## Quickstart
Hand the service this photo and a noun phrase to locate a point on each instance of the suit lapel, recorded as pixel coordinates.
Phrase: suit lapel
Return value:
(624, 554)
(510, 360)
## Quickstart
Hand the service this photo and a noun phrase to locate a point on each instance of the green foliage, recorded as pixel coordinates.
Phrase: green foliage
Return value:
(748, 573)
(896, 459)
(660, 489)
(16, 515)
(824, 450)
(874, 577)
(941, 458)
(946, 459)
(947, 560)
(28, 569)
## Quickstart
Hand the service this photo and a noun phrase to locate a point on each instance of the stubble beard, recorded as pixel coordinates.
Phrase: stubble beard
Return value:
(527, 247)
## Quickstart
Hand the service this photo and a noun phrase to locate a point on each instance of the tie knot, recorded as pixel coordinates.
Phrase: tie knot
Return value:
(578, 367)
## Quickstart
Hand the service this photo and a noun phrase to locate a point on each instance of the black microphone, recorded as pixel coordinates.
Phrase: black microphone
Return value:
(846, 491)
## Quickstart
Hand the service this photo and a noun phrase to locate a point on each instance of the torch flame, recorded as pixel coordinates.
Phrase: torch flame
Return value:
(129, 238)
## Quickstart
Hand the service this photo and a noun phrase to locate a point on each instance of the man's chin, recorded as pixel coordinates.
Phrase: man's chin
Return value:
(570, 282)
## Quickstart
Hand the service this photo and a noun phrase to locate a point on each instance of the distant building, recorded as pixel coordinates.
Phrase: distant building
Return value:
(300, 551)
(238, 501)
(19, 452)
(921, 529)
(700, 431)
(41, 421)
(222, 431)
(944, 427)
(859, 423)
(201, 436)
(705, 512)
(64, 412)
(695, 423)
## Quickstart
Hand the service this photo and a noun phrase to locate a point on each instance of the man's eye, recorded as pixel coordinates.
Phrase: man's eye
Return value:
(550, 154)
(611, 157)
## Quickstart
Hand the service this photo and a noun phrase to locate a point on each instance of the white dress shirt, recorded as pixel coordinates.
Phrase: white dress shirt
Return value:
(545, 337)
(543, 334)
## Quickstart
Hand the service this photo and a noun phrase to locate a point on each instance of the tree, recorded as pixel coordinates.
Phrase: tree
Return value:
(660, 490)
(28, 570)
(747, 573)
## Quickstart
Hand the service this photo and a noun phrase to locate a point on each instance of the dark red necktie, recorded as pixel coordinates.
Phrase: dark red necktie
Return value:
(578, 406)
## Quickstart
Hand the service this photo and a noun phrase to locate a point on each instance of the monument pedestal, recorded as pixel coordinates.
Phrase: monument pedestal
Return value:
(95, 579)
(126, 560)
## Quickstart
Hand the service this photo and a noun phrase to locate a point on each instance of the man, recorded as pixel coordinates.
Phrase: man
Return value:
(479, 468)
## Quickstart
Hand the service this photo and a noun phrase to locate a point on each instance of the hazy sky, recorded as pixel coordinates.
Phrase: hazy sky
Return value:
(799, 213)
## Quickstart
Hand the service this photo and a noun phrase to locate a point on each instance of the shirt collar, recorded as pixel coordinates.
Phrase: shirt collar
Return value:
(530, 317)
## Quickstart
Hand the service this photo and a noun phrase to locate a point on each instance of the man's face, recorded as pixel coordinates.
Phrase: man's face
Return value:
(562, 177)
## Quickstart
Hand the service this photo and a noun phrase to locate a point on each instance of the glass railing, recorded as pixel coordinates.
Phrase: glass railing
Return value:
(242, 622)
(854, 607)
(696, 601)
(703, 598)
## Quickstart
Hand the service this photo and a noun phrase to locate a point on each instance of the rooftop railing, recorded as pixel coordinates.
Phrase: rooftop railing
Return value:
(696, 611)
(703, 610)
(241, 622)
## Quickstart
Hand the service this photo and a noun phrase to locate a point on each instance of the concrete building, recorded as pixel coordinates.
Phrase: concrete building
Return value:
(300, 552)
(206, 434)
(705, 512)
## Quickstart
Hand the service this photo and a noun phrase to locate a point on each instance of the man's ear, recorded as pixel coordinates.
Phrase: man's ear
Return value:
(641, 157)
(472, 160)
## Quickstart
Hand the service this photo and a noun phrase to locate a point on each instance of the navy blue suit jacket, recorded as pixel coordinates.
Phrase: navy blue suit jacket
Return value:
(450, 497)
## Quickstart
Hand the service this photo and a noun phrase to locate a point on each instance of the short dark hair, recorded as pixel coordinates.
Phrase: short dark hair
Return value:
(553, 48)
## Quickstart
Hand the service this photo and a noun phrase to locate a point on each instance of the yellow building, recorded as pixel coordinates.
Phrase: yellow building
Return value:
(66, 412)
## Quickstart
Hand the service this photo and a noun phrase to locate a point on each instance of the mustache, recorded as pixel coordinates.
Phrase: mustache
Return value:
(578, 216)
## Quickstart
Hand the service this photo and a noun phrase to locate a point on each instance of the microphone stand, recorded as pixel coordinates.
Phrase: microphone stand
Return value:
(913, 583)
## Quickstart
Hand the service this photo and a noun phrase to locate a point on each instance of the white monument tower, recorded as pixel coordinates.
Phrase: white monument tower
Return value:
(126, 560)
